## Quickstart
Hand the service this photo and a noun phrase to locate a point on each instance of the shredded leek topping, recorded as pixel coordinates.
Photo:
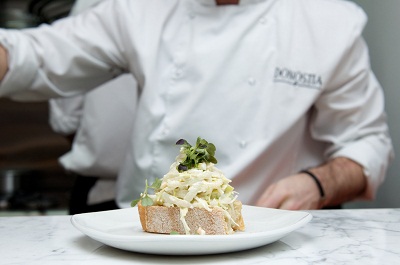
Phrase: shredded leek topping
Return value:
(200, 185)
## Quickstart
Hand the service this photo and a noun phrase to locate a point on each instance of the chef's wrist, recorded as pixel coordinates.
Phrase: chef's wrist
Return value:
(317, 183)
(327, 180)
(342, 180)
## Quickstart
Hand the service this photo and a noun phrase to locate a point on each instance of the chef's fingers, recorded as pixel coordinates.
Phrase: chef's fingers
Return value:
(273, 197)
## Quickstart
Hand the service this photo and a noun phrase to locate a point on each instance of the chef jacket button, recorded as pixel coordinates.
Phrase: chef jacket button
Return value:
(243, 144)
(178, 73)
(192, 15)
(262, 20)
(251, 81)
(165, 131)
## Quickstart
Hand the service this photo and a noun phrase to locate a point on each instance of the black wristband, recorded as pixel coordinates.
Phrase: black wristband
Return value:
(321, 189)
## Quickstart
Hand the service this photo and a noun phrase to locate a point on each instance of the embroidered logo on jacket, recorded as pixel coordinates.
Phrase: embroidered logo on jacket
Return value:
(297, 78)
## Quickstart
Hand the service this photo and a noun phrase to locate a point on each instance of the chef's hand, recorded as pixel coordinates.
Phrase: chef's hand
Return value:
(3, 62)
(296, 192)
(342, 180)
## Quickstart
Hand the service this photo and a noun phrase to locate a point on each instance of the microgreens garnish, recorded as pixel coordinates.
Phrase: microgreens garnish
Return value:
(144, 197)
(203, 151)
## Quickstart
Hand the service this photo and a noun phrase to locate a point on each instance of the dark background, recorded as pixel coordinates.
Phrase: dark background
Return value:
(31, 180)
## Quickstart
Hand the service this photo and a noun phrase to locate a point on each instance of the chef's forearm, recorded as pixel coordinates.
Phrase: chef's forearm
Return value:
(342, 180)
(3, 62)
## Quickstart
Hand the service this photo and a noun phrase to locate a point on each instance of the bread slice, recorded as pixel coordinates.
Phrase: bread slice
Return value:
(164, 220)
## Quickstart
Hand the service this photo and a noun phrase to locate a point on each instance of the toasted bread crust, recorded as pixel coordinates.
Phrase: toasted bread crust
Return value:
(164, 220)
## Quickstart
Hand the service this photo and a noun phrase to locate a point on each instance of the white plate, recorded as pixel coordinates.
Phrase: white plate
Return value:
(121, 229)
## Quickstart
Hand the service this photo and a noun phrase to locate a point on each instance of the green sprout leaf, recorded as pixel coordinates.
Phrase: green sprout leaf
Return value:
(156, 184)
(202, 152)
(174, 233)
(147, 201)
(144, 197)
(135, 202)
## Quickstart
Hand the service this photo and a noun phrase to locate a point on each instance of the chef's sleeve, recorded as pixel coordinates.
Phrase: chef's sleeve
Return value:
(350, 113)
(72, 56)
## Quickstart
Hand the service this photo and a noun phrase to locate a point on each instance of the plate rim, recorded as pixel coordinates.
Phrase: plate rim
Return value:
(239, 235)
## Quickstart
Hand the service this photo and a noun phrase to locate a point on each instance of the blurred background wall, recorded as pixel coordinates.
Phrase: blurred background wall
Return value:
(382, 34)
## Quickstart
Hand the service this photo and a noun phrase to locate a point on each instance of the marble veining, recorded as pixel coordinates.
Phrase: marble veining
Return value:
(368, 236)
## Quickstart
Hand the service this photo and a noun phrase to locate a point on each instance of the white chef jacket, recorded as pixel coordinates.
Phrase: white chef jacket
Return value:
(91, 117)
(96, 150)
(276, 85)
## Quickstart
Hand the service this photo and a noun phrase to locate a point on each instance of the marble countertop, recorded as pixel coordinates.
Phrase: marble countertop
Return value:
(367, 236)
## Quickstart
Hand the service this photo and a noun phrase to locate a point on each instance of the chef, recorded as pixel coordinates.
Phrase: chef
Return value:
(283, 89)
